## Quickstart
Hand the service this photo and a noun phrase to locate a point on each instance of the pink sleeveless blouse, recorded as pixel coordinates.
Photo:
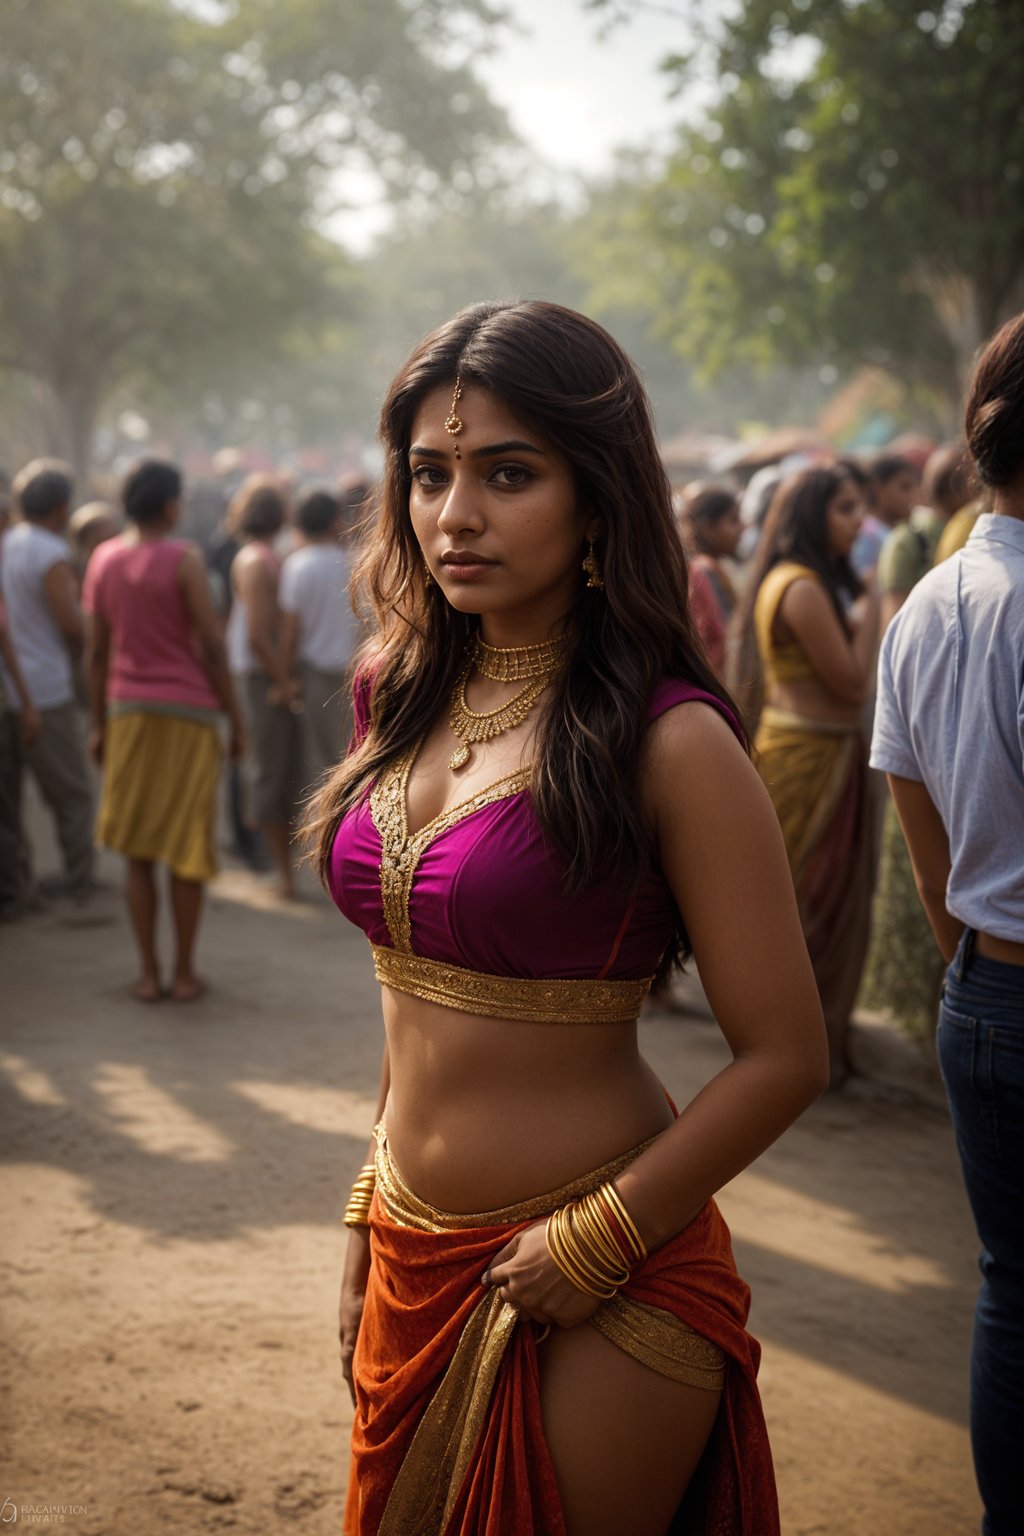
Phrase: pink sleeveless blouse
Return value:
(479, 888)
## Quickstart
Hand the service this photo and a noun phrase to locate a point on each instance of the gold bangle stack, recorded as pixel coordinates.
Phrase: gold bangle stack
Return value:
(628, 1226)
(357, 1212)
(582, 1239)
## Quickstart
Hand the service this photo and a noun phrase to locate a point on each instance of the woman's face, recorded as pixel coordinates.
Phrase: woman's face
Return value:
(727, 532)
(843, 518)
(499, 526)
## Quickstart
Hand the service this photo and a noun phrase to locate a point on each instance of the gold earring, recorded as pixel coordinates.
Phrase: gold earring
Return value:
(428, 580)
(593, 570)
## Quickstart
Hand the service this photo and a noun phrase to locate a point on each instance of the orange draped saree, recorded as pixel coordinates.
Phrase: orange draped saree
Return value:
(448, 1438)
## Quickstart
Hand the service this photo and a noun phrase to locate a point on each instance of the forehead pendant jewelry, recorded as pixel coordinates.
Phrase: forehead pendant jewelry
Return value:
(454, 423)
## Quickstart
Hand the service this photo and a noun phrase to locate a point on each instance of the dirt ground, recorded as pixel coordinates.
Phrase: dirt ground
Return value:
(171, 1244)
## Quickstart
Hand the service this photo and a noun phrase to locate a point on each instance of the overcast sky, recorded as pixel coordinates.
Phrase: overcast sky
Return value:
(572, 96)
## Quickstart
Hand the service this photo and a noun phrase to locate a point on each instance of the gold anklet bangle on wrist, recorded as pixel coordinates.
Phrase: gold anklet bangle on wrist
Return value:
(628, 1226)
(582, 1244)
(357, 1212)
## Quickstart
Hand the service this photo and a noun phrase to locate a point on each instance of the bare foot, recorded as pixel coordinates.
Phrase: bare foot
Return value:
(148, 990)
(187, 988)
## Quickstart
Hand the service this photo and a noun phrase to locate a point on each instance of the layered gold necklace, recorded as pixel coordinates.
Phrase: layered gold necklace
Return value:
(532, 665)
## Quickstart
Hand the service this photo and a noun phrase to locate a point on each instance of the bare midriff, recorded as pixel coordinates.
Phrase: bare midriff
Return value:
(810, 697)
(488, 1112)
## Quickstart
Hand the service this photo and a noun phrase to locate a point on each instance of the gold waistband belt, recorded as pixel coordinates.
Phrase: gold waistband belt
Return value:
(510, 997)
(406, 1209)
(788, 720)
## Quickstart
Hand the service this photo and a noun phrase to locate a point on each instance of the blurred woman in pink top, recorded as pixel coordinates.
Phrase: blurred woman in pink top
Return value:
(158, 680)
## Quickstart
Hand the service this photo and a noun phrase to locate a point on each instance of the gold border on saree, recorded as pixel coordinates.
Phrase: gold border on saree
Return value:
(426, 1489)
(510, 997)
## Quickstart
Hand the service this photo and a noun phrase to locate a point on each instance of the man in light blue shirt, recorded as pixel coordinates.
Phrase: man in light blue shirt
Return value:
(950, 715)
(949, 732)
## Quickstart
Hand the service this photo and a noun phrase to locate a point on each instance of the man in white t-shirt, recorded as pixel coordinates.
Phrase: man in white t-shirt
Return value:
(318, 630)
(45, 625)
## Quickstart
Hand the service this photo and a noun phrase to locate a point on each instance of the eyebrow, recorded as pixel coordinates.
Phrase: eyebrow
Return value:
(489, 451)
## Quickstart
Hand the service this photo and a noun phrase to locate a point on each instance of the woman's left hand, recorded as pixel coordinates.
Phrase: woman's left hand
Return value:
(525, 1273)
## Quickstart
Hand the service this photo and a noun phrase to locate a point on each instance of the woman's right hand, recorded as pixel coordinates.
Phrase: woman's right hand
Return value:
(350, 1302)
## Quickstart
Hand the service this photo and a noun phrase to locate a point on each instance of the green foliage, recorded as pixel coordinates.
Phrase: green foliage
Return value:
(852, 196)
(163, 166)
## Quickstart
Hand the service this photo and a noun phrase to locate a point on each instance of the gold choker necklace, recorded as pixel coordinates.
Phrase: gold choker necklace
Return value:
(518, 663)
(533, 665)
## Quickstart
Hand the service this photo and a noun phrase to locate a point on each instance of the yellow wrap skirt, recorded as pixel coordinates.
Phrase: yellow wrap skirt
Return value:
(160, 775)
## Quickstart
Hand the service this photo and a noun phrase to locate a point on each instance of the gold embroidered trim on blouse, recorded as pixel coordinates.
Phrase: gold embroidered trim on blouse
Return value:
(510, 997)
(400, 852)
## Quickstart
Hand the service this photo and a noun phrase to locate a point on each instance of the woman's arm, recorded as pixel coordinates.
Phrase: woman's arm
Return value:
(97, 666)
(845, 666)
(357, 1258)
(195, 591)
(928, 844)
(722, 852)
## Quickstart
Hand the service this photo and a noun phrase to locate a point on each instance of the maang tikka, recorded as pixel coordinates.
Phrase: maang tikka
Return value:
(454, 423)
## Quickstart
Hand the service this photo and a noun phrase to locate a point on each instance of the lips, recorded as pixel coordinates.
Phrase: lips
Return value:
(465, 557)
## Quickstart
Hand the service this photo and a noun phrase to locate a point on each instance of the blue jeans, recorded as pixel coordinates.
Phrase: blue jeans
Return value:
(981, 1054)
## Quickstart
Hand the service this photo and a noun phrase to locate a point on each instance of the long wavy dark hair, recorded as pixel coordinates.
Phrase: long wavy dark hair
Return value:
(562, 374)
(796, 529)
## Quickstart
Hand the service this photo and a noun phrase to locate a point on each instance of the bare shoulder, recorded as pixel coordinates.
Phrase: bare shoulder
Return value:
(696, 770)
(805, 597)
(691, 734)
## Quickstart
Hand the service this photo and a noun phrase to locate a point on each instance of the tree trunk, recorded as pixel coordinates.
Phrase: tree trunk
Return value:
(72, 427)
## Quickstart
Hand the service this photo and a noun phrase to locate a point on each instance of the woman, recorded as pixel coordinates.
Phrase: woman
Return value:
(547, 782)
(711, 531)
(158, 679)
(257, 657)
(948, 733)
(817, 658)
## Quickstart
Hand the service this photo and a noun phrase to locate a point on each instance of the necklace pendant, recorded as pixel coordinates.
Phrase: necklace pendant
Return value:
(459, 758)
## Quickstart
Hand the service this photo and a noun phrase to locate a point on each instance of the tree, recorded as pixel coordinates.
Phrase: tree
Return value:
(853, 194)
(164, 167)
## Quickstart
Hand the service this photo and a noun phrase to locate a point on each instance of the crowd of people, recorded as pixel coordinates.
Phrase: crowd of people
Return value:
(833, 602)
(125, 644)
(793, 582)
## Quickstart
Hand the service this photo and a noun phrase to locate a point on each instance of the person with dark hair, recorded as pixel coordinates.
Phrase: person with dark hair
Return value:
(257, 514)
(318, 629)
(817, 629)
(158, 680)
(949, 733)
(891, 491)
(711, 531)
(549, 802)
(44, 620)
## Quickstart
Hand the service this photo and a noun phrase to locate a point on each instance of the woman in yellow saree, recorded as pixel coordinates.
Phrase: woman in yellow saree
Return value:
(547, 802)
(817, 659)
